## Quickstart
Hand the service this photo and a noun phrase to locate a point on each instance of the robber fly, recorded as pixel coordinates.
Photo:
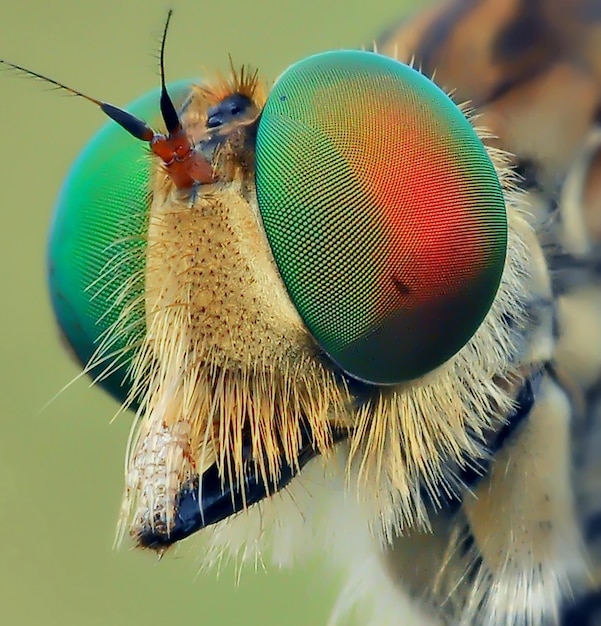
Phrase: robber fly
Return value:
(359, 311)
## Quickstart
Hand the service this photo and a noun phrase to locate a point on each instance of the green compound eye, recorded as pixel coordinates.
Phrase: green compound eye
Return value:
(97, 244)
(383, 211)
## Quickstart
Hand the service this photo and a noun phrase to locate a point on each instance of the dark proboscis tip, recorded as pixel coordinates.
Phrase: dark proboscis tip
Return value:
(218, 502)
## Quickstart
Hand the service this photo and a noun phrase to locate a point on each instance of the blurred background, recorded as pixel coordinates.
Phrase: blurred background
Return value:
(61, 468)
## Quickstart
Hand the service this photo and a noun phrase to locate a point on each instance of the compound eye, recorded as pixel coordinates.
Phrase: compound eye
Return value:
(96, 248)
(383, 211)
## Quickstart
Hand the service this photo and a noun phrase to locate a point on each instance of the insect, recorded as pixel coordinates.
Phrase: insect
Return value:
(346, 319)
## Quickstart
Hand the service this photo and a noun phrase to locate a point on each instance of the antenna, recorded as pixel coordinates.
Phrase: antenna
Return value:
(185, 166)
(134, 126)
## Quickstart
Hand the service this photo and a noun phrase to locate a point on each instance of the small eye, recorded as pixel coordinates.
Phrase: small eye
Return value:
(228, 110)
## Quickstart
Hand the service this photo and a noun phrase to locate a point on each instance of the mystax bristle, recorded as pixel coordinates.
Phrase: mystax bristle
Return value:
(383, 211)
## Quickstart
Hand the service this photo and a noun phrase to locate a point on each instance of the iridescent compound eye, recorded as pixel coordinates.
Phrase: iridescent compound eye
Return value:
(97, 244)
(383, 210)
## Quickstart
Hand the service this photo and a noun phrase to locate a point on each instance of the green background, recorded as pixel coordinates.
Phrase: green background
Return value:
(61, 468)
